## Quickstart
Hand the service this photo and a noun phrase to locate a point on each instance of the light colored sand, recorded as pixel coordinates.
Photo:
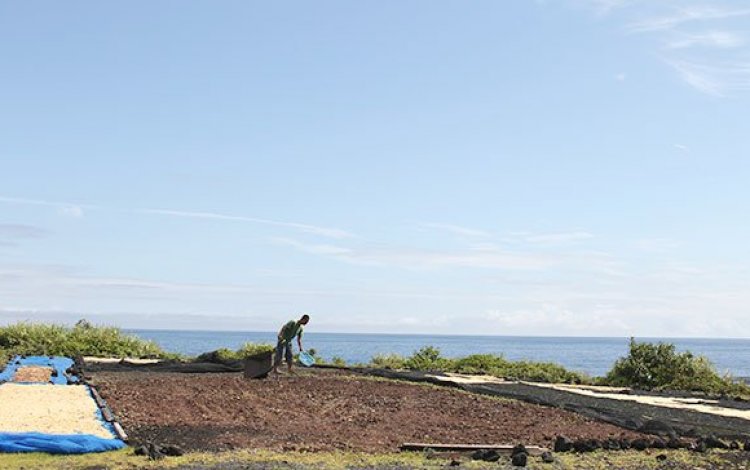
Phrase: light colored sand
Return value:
(50, 409)
(694, 404)
(612, 393)
(32, 374)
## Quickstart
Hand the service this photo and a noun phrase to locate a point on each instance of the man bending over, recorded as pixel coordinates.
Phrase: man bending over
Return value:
(287, 333)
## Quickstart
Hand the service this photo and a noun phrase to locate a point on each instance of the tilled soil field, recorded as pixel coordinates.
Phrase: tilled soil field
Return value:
(324, 411)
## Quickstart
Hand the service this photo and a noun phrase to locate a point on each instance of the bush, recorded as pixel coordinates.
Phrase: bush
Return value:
(388, 361)
(338, 361)
(227, 356)
(82, 339)
(659, 366)
(429, 359)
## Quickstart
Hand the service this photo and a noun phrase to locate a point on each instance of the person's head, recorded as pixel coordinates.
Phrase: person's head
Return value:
(305, 318)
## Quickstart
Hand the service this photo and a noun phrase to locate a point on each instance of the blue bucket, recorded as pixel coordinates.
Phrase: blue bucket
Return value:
(306, 359)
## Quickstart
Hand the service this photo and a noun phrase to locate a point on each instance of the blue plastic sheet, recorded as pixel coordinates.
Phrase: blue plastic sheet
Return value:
(58, 363)
(56, 443)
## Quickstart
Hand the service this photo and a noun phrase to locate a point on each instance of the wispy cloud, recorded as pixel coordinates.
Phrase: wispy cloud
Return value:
(63, 208)
(684, 15)
(457, 230)
(312, 229)
(487, 257)
(682, 147)
(719, 39)
(561, 237)
(714, 79)
(20, 231)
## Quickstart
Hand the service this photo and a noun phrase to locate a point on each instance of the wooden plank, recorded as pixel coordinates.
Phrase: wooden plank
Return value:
(500, 448)
(97, 398)
(120, 432)
(107, 415)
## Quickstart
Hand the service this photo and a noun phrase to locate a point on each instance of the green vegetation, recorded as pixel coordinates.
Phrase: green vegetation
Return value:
(429, 359)
(658, 366)
(227, 356)
(82, 339)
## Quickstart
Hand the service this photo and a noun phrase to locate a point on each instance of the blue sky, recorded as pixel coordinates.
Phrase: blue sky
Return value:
(521, 167)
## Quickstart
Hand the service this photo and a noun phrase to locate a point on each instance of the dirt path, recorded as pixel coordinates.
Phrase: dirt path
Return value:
(325, 411)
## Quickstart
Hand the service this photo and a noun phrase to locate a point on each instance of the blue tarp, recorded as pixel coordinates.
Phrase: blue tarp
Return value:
(60, 364)
(56, 443)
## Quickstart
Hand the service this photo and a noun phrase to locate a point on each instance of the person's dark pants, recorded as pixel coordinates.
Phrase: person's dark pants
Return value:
(283, 348)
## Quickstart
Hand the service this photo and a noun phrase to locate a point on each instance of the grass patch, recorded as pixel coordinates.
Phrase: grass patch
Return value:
(82, 339)
(125, 459)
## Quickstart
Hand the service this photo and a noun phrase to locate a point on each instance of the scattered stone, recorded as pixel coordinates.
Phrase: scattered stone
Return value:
(747, 446)
(734, 445)
(611, 444)
(519, 449)
(699, 447)
(486, 455)
(563, 444)
(661, 457)
(640, 444)
(520, 460)
(547, 457)
(586, 445)
(154, 453)
(625, 443)
(659, 428)
(658, 443)
(141, 450)
(172, 451)
(455, 463)
(676, 444)
(712, 442)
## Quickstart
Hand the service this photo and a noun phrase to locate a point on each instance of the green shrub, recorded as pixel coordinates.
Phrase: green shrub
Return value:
(388, 361)
(338, 361)
(428, 358)
(658, 366)
(252, 349)
(82, 339)
(228, 356)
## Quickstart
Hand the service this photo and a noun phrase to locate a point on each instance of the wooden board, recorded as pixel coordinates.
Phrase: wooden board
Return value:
(500, 448)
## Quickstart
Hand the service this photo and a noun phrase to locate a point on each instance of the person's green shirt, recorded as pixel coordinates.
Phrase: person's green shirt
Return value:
(291, 330)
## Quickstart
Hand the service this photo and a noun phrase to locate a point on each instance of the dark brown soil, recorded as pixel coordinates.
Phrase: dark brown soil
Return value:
(324, 411)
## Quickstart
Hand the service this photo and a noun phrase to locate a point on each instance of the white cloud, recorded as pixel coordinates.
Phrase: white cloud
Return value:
(620, 77)
(311, 229)
(714, 79)
(21, 231)
(682, 147)
(719, 39)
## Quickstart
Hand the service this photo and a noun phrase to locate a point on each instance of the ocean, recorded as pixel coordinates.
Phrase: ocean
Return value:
(593, 356)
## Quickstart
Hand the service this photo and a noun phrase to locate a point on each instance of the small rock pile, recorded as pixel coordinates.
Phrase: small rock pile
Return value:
(158, 452)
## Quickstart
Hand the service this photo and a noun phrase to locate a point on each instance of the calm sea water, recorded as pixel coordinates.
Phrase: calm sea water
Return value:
(593, 356)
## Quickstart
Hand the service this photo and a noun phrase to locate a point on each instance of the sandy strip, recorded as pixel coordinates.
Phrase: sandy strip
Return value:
(33, 374)
(611, 393)
(693, 404)
(49, 409)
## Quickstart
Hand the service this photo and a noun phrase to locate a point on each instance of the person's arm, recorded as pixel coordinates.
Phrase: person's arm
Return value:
(299, 342)
(281, 331)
